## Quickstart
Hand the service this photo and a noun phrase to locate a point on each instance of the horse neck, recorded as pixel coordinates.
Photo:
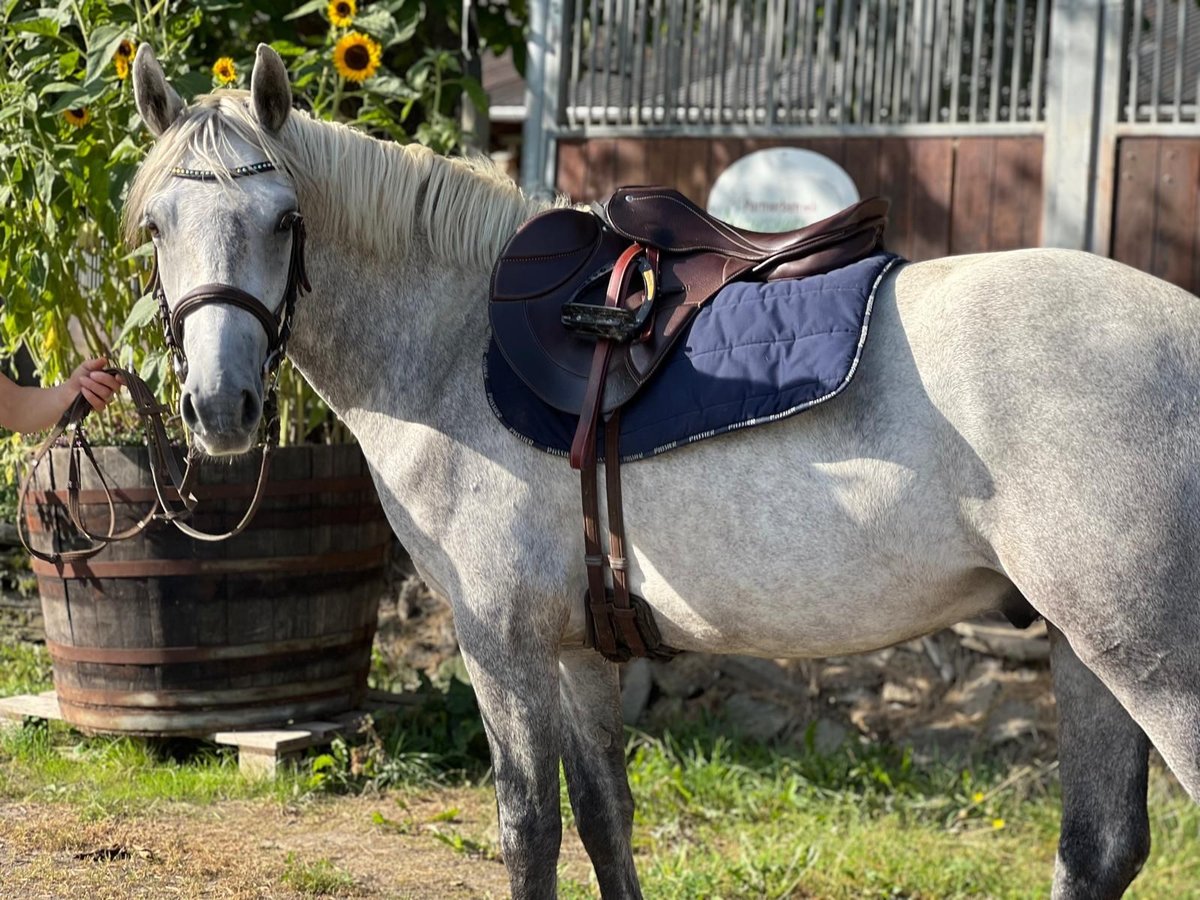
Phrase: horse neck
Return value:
(393, 328)
(387, 334)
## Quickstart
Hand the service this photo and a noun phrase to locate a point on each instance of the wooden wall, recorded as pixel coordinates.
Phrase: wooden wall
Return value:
(1156, 216)
(949, 195)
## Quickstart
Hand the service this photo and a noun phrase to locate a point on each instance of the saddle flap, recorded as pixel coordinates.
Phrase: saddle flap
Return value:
(546, 252)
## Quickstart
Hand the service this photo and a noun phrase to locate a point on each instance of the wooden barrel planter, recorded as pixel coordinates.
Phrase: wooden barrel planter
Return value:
(166, 635)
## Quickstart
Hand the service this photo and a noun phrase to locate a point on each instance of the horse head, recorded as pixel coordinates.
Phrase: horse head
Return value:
(228, 247)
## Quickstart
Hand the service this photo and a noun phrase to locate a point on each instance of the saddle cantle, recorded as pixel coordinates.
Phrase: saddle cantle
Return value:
(576, 326)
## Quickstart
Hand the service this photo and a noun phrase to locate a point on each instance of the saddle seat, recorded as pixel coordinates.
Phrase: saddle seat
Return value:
(666, 219)
(567, 255)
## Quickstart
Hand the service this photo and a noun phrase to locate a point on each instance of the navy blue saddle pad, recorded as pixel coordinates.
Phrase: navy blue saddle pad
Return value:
(758, 352)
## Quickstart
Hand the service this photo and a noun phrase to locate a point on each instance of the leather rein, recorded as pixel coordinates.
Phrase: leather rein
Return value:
(168, 476)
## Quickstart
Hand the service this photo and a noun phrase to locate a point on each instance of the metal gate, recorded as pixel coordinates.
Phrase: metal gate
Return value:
(1067, 123)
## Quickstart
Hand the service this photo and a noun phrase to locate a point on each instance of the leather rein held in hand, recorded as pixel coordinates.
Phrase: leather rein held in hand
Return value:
(168, 476)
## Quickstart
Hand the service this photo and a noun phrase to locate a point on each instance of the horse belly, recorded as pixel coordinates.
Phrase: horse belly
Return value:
(767, 543)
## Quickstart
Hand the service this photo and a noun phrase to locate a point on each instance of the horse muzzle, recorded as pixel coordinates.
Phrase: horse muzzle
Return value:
(224, 422)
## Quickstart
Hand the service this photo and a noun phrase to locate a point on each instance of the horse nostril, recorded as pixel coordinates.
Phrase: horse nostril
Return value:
(188, 409)
(251, 409)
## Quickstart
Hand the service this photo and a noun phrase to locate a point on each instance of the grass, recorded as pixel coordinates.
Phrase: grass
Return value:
(318, 878)
(107, 776)
(716, 817)
(24, 668)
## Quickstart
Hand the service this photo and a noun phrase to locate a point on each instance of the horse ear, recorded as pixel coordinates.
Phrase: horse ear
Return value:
(157, 103)
(270, 92)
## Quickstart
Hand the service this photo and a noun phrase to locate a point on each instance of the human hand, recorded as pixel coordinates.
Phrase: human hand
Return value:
(96, 385)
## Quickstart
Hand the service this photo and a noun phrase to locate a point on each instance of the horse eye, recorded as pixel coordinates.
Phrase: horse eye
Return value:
(287, 221)
(151, 226)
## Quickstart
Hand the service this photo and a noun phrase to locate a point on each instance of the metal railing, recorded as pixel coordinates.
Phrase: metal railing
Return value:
(778, 63)
(1162, 60)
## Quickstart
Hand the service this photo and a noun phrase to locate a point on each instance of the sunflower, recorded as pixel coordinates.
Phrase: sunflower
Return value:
(224, 70)
(125, 49)
(356, 56)
(79, 116)
(341, 12)
(122, 64)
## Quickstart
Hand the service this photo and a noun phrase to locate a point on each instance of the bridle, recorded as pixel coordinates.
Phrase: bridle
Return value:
(278, 326)
(166, 471)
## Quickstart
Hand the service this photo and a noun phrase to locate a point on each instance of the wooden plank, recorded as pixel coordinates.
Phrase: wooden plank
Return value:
(1174, 237)
(834, 148)
(254, 764)
(660, 168)
(971, 200)
(723, 153)
(931, 180)
(632, 162)
(862, 164)
(692, 174)
(31, 706)
(572, 169)
(1135, 215)
(895, 183)
(1016, 207)
(279, 740)
(601, 158)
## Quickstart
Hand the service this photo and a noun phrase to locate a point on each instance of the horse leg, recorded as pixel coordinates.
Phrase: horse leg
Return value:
(1152, 667)
(514, 673)
(1105, 834)
(594, 760)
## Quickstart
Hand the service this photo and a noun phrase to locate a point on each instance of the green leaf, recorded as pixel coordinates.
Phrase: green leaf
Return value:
(102, 45)
(143, 313)
(42, 25)
(81, 96)
(478, 95)
(68, 63)
(58, 87)
(379, 23)
(391, 87)
(288, 49)
(407, 26)
(324, 761)
(144, 251)
(192, 83)
(305, 9)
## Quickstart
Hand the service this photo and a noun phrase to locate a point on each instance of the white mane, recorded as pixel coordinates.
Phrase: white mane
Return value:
(379, 194)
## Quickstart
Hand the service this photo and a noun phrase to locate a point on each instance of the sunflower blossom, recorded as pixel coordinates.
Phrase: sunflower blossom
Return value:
(224, 70)
(341, 12)
(122, 64)
(125, 49)
(78, 117)
(356, 56)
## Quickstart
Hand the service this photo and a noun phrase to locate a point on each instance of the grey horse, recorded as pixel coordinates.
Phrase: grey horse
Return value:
(1023, 429)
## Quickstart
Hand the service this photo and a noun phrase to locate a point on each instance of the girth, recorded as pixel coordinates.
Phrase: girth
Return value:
(589, 353)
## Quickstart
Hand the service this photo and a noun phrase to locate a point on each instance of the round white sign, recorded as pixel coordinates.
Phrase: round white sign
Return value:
(780, 189)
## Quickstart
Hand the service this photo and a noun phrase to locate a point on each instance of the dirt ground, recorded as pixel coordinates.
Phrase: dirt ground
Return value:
(261, 849)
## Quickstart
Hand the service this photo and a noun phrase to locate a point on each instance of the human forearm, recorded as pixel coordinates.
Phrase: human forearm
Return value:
(33, 409)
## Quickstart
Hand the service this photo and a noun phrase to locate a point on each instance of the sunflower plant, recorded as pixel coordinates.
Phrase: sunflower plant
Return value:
(71, 140)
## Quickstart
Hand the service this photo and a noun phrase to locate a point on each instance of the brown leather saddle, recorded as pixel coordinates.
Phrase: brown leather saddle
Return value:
(586, 305)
